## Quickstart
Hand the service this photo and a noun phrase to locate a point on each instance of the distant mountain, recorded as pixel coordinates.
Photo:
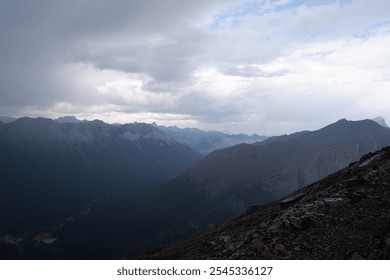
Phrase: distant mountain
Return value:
(209, 144)
(206, 142)
(65, 119)
(68, 119)
(381, 121)
(294, 160)
(6, 119)
(50, 170)
(344, 216)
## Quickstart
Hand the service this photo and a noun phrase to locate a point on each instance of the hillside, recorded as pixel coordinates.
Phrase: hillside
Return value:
(344, 216)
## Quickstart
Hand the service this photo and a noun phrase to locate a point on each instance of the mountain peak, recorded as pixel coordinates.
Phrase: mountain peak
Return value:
(68, 119)
(381, 121)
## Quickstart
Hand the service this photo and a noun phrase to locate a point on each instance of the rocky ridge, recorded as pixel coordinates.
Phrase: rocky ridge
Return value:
(344, 216)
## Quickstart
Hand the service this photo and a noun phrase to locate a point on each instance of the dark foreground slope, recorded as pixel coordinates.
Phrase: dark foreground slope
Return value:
(344, 216)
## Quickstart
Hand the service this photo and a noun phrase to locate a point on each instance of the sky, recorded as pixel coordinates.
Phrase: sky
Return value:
(254, 66)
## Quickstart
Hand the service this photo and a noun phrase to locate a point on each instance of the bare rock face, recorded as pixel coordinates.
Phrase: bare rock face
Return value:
(344, 216)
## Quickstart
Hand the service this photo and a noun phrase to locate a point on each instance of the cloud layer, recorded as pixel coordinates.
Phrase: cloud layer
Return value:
(261, 66)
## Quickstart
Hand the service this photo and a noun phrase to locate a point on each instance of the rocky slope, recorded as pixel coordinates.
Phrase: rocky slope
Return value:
(344, 216)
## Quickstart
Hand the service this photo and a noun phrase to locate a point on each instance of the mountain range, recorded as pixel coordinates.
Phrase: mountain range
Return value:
(204, 142)
(115, 191)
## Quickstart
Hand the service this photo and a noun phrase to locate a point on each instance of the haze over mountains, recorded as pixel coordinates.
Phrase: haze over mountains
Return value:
(115, 191)
(5, 119)
(206, 142)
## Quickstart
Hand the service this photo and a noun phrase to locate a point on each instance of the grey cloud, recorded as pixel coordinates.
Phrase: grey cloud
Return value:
(211, 109)
(169, 60)
(39, 37)
(253, 71)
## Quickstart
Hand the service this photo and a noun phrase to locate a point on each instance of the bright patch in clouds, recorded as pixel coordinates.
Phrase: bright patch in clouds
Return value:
(263, 66)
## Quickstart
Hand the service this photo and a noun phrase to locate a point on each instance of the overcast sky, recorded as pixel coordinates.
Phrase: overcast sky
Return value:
(270, 67)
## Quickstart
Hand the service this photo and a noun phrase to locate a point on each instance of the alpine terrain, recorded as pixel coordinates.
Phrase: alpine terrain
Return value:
(115, 191)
